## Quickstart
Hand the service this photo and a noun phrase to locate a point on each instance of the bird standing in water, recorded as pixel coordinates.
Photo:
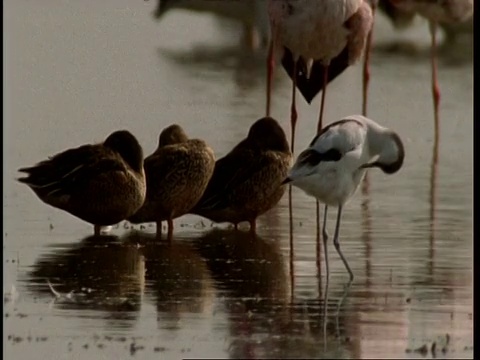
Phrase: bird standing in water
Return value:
(177, 174)
(334, 164)
(317, 41)
(436, 11)
(247, 182)
(102, 184)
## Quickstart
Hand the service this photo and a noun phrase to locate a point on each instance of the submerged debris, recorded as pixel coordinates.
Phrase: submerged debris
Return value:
(11, 296)
(422, 350)
(134, 348)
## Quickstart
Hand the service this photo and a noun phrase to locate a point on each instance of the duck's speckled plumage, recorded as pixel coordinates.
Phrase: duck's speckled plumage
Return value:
(247, 181)
(177, 174)
(102, 184)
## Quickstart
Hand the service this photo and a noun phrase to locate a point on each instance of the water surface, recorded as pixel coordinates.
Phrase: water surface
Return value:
(76, 71)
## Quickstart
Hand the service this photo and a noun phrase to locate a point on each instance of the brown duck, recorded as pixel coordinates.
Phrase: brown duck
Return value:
(102, 184)
(247, 181)
(177, 174)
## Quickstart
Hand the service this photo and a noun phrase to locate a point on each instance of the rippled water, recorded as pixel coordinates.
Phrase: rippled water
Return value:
(76, 71)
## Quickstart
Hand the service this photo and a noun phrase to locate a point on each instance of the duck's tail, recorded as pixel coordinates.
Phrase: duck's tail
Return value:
(36, 177)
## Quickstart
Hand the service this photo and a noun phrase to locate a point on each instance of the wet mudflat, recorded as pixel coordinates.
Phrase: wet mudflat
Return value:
(77, 71)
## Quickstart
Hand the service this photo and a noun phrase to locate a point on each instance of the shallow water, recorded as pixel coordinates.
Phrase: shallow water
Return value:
(76, 71)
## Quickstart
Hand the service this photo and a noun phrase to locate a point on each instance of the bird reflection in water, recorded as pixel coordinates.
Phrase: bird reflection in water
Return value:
(177, 278)
(251, 14)
(98, 273)
(248, 69)
(433, 197)
(251, 275)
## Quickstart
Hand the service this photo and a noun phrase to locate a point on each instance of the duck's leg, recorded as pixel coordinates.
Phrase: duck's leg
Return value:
(337, 244)
(435, 86)
(170, 230)
(159, 230)
(253, 226)
(251, 36)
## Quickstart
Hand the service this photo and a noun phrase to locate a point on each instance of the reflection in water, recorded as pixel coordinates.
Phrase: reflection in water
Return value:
(433, 192)
(367, 228)
(251, 14)
(406, 302)
(176, 276)
(251, 275)
(245, 264)
(292, 253)
(99, 273)
(249, 69)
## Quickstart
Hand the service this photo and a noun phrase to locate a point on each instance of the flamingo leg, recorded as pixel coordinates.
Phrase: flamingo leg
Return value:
(270, 67)
(435, 86)
(322, 103)
(319, 128)
(293, 108)
(366, 64)
(293, 122)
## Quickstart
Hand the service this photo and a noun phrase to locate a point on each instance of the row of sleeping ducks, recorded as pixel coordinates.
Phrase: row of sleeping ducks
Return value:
(106, 183)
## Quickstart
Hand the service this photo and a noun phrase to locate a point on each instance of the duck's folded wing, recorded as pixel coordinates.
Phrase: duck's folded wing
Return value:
(162, 166)
(66, 171)
(230, 172)
(56, 167)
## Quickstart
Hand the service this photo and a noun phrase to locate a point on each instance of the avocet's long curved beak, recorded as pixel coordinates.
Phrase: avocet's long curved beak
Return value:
(286, 181)
(368, 165)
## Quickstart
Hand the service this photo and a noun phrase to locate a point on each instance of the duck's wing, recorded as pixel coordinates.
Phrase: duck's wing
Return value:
(63, 172)
(231, 172)
(162, 166)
